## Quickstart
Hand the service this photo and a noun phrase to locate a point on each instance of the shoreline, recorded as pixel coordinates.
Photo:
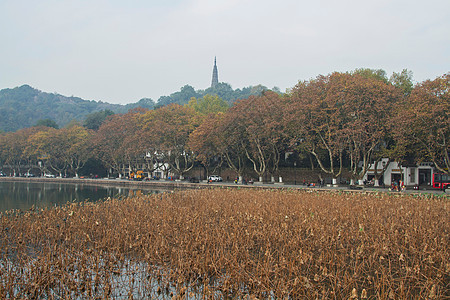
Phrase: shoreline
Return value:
(178, 185)
(105, 182)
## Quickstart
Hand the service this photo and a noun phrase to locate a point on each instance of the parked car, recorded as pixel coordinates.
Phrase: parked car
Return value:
(215, 178)
(2, 175)
(49, 175)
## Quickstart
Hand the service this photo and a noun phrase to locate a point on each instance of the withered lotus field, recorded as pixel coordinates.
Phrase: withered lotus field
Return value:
(230, 243)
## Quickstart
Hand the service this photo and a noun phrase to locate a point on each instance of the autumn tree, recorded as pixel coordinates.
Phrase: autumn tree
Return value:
(258, 124)
(146, 146)
(205, 142)
(110, 141)
(219, 138)
(134, 153)
(390, 149)
(423, 122)
(51, 147)
(167, 130)
(366, 111)
(343, 114)
(13, 148)
(79, 147)
(230, 144)
(316, 124)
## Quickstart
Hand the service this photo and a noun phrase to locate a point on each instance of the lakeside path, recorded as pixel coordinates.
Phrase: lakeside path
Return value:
(177, 185)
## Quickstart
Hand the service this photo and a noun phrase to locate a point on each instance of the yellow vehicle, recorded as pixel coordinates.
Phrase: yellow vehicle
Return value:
(139, 175)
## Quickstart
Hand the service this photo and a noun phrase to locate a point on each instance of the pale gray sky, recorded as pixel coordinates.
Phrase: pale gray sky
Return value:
(122, 51)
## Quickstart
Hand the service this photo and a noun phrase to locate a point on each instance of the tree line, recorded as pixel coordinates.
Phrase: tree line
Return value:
(341, 121)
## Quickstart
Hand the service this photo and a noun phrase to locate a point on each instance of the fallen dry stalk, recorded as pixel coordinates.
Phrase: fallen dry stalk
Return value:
(227, 243)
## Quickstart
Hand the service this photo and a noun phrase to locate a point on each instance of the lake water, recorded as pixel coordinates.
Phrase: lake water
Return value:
(24, 195)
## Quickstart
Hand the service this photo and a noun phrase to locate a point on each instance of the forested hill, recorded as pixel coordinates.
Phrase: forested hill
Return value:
(23, 106)
(223, 90)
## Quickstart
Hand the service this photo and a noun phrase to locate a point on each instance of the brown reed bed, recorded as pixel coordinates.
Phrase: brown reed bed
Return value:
(229, 243)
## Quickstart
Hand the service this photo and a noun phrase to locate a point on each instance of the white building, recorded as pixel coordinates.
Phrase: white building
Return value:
(420, 174)
(162, 171)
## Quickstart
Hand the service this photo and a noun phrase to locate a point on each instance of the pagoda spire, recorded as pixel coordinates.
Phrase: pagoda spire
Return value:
(215, 76)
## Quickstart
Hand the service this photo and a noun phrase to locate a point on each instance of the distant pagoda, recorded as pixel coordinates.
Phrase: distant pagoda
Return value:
(215, 76)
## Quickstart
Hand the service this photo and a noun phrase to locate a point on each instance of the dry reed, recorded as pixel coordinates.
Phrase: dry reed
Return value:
(229, 243)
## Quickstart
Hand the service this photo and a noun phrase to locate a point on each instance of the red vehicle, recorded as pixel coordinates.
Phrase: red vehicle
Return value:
(441, 181)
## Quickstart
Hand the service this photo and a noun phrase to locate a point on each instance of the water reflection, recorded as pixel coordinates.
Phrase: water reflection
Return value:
(24, 195)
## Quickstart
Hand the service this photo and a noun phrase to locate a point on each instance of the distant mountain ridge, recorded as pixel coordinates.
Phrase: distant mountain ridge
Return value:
(23, 106)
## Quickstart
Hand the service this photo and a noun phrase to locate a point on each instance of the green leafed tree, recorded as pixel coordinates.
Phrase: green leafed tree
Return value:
(378, 74)
(47, 123)
(182, 97)
(95, 120)
(403, 81)
(208, 104)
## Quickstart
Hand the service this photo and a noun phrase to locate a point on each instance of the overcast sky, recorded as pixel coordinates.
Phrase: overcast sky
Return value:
(122, 51)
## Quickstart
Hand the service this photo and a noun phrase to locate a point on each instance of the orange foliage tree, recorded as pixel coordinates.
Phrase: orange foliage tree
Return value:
(79, 148)
(51, 146)
(112, 141)
(315, 122)
(165, 131)
(341, 114)
(424, 124)
(220, 137)
(13, 148)
(259, 127)
(366, 112)
(206, 142)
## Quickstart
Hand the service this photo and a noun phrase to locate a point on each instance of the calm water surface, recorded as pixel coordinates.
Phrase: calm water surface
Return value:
(24, 195)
